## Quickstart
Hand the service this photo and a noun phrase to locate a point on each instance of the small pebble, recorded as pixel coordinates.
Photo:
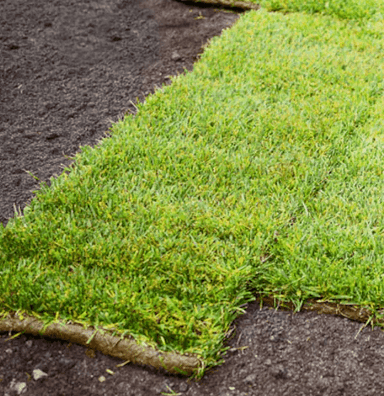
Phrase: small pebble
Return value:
(37, 374)
(251, 379)
(176, 56)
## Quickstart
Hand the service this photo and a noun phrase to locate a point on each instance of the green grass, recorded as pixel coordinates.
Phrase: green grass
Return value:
(344, 9)
(260, 170)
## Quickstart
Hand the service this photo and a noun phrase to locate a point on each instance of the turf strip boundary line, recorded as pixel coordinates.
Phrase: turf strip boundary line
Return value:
(101, 340)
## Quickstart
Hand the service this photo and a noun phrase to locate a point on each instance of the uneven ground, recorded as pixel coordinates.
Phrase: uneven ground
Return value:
(67, 69)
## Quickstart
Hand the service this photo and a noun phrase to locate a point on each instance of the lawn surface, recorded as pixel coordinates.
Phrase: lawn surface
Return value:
(260, 170)
(343, 9)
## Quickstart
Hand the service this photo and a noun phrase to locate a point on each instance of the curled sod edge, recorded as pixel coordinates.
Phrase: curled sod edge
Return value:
(122, 347)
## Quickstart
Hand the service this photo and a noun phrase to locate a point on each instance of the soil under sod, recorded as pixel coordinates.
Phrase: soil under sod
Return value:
(66, 70)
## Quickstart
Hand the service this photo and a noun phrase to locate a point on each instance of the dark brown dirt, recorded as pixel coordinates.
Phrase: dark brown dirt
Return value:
(67, 70)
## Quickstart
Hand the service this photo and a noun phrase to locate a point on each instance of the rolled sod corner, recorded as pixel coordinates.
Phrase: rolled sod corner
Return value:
(99, 339)
(231, 3)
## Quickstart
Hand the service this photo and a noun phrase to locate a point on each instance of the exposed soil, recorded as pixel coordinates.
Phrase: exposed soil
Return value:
(67, 70)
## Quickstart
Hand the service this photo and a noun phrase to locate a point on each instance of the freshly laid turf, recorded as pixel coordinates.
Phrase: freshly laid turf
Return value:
(260, 169)
(343, 9)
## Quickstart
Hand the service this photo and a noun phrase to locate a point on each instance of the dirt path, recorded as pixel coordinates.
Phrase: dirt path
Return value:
(67, 68)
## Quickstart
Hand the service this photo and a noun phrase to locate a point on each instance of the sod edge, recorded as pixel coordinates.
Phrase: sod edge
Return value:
(127, 349)
(103, 340)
